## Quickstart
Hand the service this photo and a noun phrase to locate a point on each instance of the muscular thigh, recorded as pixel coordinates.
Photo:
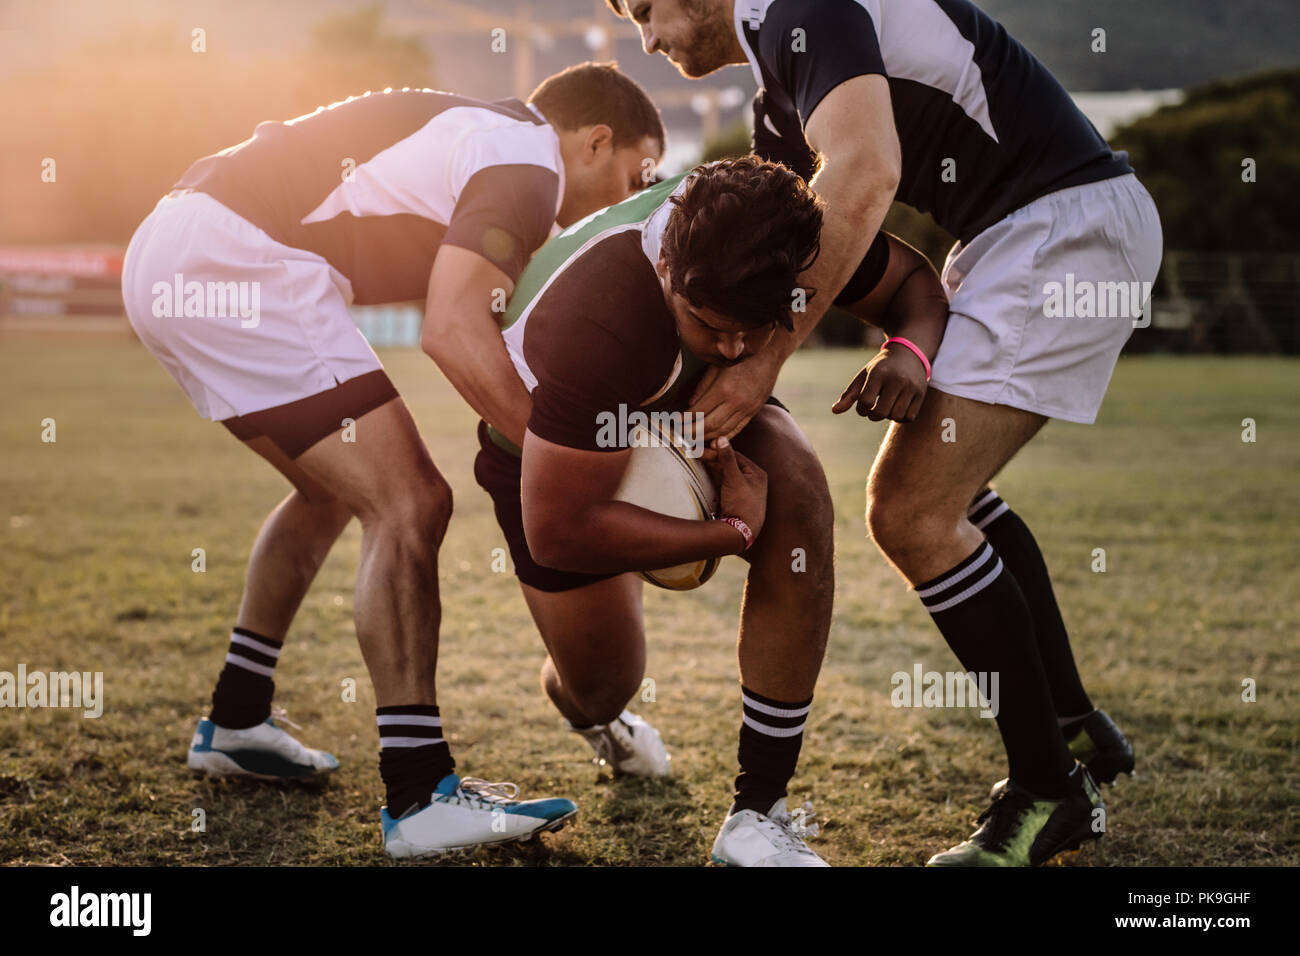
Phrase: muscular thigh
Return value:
(955, 447)
(593, 633)
(379, 470)
(311, 490)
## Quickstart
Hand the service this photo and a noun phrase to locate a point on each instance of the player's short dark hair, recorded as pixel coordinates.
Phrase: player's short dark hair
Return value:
(593, 93)
(738, 237)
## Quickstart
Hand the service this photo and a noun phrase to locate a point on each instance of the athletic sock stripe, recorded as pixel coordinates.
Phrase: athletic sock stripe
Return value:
(259, 644)
(413, 725)
(970, 592)
(992, 516)
(253, 635)
(249, 665)
(419, 720)
(248, 654)
(769, 710)
(768, 730)
(981, 501)
(987, 503)
(774, 721)
(388, 742)
(958, 574)
(771, 701)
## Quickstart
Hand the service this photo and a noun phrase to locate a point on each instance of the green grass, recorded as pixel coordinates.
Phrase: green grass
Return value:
(1200, 590)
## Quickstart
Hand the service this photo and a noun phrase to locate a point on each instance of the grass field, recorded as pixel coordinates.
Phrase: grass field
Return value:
(98, 528)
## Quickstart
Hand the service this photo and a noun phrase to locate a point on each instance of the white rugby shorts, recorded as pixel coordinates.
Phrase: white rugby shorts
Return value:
(273, 326)
(1031, 297)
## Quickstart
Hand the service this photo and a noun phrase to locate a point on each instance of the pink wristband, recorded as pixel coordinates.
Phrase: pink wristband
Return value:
(911, 345)
(739, 524)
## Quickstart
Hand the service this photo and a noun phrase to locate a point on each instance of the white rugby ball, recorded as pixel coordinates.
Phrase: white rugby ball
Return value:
(661, 477)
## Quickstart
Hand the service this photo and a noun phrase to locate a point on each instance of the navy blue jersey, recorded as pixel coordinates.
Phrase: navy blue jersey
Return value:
(983, 126)
(376, 183)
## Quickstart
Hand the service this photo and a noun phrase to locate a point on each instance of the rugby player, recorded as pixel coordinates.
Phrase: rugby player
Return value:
(933, 103)
(628, 310)
(393, 196)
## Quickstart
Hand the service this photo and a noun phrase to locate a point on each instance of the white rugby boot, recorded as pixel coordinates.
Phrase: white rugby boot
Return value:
(467, 813)
(264, 752)
(776, 838)
(629, 745)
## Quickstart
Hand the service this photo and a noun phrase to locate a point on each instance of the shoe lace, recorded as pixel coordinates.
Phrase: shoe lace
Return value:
(612, 742)
(476, 790)
(794, 828)
(279, 715)
(621, 740)
(1003, 815)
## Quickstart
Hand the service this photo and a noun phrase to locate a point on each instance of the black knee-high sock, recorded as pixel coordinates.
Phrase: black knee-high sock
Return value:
(413, 757)
(244, 688)
(1015, 544)
(983, 616)
(771, 734)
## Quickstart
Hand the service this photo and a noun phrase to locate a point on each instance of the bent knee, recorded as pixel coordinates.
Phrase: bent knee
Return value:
(602, 702)
(430, 510)
(802, 499)
(899, 525)
(417, 514)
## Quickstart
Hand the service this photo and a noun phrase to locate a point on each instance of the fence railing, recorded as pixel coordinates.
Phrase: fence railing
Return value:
(1224, 302)
(1203, 302)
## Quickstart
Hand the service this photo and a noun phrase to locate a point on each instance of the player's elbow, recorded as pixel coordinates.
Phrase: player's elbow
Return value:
(557, 551)
(879, 183)
(874, 180)
(887, 168)
(431, 342)
(552, 540)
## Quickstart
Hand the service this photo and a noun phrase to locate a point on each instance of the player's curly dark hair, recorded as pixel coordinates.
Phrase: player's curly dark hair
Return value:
(740, 233)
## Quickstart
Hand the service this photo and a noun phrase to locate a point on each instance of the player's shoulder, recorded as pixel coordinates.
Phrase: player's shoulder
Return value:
(808, 38)
(774, 19)
(487, 136)
(582, 245)
(609, 282)
(602, 325)
(606, 304)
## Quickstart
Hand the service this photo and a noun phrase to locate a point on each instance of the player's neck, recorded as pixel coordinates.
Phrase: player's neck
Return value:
(735, 52)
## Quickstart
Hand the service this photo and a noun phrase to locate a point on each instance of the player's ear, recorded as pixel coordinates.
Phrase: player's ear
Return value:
(600, 140)
(661, 268)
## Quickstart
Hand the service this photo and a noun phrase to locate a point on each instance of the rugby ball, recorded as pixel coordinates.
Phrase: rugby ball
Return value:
(662, 477)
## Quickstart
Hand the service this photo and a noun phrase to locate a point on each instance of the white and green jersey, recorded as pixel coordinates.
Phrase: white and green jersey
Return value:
(588, 328)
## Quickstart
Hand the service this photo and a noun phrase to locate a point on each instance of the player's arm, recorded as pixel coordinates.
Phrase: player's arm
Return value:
(908, 301)
(506, 200)
(573, 523)
(852, 129)
(462, 335)
(839, 89)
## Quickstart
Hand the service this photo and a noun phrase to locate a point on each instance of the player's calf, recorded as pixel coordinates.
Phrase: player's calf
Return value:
(784, 625)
